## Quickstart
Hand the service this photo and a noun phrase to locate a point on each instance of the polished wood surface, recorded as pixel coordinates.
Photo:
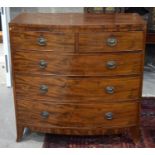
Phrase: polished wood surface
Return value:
(78, 116)
(77, 64)
(68, 79)
(58, 42)
(76, 89)
(81, 131)
(97, 42)
(78, 19)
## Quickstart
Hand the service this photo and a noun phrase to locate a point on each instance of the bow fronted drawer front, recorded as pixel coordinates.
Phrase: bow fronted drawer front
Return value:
(43, 41)
(111, 41)
(72, 89)
(86, 117)
(45, 63)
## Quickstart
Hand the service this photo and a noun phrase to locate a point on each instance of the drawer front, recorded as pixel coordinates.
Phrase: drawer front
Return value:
(85, 116)
(43, 41)
(67, 89)
(111, 42)
(81, 65)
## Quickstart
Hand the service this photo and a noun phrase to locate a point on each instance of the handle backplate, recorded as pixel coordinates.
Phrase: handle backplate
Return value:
(41, 41)
(43, 88)
(43, 64)
(111, 64)
(110, 89)
(109, 115)
(112, 41)
(44, 114)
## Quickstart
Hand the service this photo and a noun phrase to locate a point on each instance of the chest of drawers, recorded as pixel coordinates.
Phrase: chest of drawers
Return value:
(77, 74)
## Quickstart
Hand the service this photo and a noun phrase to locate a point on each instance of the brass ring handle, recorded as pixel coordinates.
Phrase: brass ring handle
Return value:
(111, 41)
(44, 88)
(44, 114)
(43, 64)
(110, 89)
(109, 115)
(41, 41)
(111, 64)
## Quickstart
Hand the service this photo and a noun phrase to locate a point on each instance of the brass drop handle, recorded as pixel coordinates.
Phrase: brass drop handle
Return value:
(110, 89)
(43, 64)
(111, 41)
(41, 41)
(109, 115)
(44, 114)
(111, 64)
(44, 88)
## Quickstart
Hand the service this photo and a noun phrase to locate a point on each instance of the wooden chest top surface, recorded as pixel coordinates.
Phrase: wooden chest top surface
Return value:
(78, 19)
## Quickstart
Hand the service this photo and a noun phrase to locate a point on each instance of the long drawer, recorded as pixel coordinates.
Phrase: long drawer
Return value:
(70, 90)
(43, 41)
(111, 41)
(77, 64)
(91, 116)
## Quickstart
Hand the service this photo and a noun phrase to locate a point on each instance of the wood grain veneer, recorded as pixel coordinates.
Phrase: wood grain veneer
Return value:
(82, 116)
(77, 74)
(126, 41)
(67, 89)
(58, 42)
(77, 64)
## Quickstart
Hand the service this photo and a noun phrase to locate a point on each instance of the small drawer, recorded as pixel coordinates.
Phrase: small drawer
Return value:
(43, 41)
(86, 116)
(73, 89)
(111, 41)
(79, 65)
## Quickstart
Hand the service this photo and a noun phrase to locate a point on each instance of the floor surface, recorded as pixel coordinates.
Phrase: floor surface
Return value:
(8, 126)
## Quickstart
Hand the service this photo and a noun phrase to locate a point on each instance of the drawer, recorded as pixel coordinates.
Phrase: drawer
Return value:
(68, 89)
(79, 64)
(111, 41)
(86, 116)
(43, 41)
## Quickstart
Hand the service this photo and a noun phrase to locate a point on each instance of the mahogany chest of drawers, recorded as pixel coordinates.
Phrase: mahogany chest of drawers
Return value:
(77, 74)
